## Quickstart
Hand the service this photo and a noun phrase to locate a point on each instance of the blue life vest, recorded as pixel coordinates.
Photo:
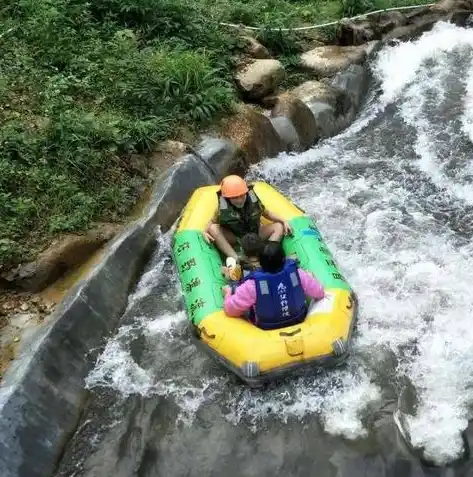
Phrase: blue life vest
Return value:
(280, 298)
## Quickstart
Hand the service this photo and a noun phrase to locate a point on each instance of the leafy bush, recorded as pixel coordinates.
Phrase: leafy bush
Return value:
(350, 8)
(279, 42)
(84, 83)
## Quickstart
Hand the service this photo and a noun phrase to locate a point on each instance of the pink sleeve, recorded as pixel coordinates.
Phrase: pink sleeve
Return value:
(312, 287)
(242, 300)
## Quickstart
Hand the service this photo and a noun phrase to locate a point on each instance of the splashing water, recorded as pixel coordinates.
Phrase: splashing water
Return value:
(393, 198)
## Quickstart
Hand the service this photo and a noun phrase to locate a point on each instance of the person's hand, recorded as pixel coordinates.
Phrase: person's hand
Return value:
(226, 272)
(208, 237)
(287, 228)
(226, 290)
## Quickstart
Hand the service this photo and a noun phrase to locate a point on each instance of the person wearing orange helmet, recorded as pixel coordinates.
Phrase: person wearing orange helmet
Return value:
(239, 213)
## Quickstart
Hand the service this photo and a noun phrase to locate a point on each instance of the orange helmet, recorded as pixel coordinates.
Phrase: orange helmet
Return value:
(233, 186)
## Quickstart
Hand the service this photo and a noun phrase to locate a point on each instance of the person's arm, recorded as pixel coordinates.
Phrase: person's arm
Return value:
(277, 218)
(207, 235)
(242, 300)
(311, 286)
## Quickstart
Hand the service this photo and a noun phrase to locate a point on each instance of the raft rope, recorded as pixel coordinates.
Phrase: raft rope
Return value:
(313, 27)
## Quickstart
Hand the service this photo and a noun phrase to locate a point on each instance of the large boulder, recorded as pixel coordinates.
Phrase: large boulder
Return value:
(402, 25)
(421, 20)
(415, 27)
(440, 8)
(325, 118)
(461, 18)
(353, 84)
(174, 188)
(329, 60)
(311, 91)
(220, 155)
(260, 78)
(294, 108)
(323, 92)
(331, 104)
(357, 32)
(254, 134)
(287, 132)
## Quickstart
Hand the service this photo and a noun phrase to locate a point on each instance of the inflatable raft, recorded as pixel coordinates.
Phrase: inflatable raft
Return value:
(256, 355)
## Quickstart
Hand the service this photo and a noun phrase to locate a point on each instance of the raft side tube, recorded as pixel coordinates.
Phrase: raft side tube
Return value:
(198, 266)
(277, 373)
(321, 334)
(307, 244)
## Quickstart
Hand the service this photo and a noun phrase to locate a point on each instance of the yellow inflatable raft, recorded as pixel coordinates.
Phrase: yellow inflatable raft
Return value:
(255, 355)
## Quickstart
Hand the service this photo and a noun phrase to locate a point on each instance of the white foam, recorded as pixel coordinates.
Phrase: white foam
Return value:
(283, 166)
(343, 405)
(414, 286)
(149, 278)
(467, 118)
(116, 369)
(164, 325)
(414, 79)
(426, 132)
(339, 397)
(398, 66)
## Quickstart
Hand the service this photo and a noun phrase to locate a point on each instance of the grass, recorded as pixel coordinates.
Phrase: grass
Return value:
(292, 13)
(85, 84)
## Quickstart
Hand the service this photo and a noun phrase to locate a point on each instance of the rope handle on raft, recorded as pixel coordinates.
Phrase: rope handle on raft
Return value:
(204, 331)
(290, 333)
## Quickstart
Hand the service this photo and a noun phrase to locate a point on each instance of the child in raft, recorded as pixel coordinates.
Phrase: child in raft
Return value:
(275, 296)
(251, 245)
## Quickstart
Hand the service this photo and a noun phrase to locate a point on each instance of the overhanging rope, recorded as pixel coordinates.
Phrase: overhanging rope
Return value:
(313, 27)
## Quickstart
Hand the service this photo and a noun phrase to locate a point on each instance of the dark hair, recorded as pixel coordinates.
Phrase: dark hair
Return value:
(272, 257)
(252, 245)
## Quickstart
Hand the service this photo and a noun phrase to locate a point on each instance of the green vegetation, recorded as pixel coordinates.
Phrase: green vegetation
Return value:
(291, 13)
(85, 84)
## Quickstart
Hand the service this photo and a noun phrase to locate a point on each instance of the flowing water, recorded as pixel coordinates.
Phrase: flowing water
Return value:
(393, 197)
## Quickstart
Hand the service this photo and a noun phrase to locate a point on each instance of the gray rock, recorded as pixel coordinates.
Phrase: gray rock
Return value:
(42, 392)
(370, 28)
(175, 189)
(462, 18)
(325, 119)
(254, 134)
(372, 49)
(313, 91)
(287, 132)
(353, 82)
(221, 155)
(260, 78)
(418, 22)
(328, 60)
(300, 115)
